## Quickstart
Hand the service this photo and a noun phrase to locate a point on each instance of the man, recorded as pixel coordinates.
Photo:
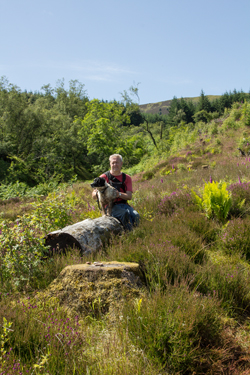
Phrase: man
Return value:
(123, 183)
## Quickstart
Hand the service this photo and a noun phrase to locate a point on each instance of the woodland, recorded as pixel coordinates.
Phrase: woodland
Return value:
(191, 186)
(61, 135)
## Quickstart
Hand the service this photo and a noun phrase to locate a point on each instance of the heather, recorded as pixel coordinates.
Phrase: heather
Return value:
(192, 246)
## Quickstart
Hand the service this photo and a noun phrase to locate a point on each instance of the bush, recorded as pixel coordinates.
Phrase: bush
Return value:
(173, 332)
(166, 263)
(21, 253)
(148, 175)
(198, 223)
(246, 113)
(240, 198)
(23, 244)
(42, 334)
(177, 199)
(216, 200)
(187, 241)
(236, 237)
(230, 283)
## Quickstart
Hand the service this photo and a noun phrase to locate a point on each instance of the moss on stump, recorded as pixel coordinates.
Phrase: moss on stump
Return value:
(96, 289)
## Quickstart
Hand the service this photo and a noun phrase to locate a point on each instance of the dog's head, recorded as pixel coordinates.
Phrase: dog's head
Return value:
(98, 182)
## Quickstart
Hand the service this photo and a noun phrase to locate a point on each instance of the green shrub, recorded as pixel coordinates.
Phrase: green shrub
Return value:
(230, 283)
(166, 263)
(236, 237)
(148, 175)
(198, 223)
(23, 244)
(175, 329)
(240, 198)
(21, 253)
(40, 332)
(215, 201)
(177, 199)
(187, 240)
(246, 113)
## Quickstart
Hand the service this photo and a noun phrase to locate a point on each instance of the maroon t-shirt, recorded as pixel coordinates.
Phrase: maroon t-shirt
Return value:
(127, 183)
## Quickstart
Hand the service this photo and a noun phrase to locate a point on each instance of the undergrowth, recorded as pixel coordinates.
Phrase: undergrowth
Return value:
(193, 249)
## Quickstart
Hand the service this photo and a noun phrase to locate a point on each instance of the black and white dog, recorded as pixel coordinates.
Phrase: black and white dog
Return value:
(106, 194)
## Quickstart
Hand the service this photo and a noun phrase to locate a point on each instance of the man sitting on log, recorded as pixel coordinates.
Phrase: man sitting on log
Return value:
(123, 183)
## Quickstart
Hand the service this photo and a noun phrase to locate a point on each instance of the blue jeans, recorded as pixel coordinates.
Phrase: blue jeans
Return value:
(126, 215)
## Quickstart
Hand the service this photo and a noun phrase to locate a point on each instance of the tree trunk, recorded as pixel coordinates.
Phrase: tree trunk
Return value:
(87, 235)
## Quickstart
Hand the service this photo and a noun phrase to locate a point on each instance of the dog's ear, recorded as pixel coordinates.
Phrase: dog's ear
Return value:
(102, 181)
(98, 182)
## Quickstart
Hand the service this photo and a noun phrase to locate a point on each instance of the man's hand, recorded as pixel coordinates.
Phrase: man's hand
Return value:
(126, 196)
(94, 194)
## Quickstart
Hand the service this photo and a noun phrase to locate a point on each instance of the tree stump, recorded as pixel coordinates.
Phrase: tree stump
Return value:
(88, 235)
(96, 288)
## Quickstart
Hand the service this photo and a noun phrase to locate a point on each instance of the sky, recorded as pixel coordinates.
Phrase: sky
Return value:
(164, 48)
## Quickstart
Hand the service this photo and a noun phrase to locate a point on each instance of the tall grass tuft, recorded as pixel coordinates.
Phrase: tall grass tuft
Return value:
(178, 328)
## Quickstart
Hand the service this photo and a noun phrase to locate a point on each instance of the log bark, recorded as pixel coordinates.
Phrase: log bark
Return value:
(88, 235)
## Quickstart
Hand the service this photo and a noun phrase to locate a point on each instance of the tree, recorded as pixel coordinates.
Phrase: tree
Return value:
(101, 130)
(204, 103)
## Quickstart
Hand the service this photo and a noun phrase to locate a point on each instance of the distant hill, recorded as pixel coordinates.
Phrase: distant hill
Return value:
(156, 108)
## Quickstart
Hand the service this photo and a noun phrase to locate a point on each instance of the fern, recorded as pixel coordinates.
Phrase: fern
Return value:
(216, 200)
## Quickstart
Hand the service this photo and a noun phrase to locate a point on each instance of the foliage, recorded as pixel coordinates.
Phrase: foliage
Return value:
(4, 338)
(203, 116)
(177, 199)
(22, 242)
(102, 128)
(21, 189)
(191, 314)
(236, 237)
(198, 223)
(246, 113)
(240, 198)
(215, 201)
(171, 336)
(21, 253)
(46, 340)
(228, 281)
(180, 110)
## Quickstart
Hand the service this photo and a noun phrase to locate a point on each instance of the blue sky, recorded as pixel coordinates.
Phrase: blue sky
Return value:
(171, 48)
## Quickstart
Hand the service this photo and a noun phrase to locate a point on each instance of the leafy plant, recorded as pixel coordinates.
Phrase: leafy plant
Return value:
(21, 252)
(22, 242)
(4, 338)
(215, 201)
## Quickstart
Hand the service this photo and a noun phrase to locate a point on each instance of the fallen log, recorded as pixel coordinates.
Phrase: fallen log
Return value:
(88, 235)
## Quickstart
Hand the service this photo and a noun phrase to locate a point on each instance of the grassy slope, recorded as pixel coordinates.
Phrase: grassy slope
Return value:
(194, 317)
(164, 105)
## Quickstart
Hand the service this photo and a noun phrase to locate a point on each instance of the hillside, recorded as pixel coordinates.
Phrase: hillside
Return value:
(155, 108)
(192, 246)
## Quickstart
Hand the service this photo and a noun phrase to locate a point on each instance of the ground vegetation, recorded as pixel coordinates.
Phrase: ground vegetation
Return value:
(192, 245)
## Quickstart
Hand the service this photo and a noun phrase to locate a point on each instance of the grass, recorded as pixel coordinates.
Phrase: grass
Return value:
(192, 316)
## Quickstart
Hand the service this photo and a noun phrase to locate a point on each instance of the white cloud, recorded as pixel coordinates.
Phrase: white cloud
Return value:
(88, 69)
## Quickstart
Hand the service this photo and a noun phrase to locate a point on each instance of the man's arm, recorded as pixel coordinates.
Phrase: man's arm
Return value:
(126, 196)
